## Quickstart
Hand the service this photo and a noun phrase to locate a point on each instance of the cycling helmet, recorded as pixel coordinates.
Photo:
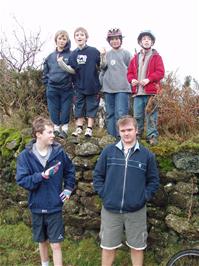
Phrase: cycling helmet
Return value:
(114, 33)
(146, 33)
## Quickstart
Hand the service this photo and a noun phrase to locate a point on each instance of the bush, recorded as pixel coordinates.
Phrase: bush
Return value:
(178, 109)
(22, 96)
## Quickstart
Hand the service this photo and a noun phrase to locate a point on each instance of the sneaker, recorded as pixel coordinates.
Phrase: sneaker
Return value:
(56, 133)
(153, 141)
(64, 128)
(88, 132)
(63, 134)
(77, 132)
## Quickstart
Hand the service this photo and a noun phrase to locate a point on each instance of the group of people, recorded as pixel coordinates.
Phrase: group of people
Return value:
(125, 176)
(85, 72)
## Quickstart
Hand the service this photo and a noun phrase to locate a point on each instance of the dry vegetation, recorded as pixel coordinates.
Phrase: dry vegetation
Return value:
(179, 108)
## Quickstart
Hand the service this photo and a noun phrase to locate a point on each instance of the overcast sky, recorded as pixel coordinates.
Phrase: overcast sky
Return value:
(175, 23)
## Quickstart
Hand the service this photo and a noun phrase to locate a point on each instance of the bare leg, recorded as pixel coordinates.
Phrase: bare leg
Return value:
(57, 254)
(108, 257)
(43, 250)
(90, 121)
(80, 121)
(137, 257)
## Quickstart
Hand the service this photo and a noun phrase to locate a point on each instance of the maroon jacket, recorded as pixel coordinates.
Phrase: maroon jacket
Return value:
(155, 72)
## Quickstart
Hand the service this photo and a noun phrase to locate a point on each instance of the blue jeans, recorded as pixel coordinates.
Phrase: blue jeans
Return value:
(139, 105)
(117, 105)
(59, 104)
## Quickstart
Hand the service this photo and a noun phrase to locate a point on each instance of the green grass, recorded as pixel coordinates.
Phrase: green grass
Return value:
(18, 249)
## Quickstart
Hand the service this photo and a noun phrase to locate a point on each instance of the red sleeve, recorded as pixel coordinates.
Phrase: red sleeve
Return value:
(132, 70)
(158, 70)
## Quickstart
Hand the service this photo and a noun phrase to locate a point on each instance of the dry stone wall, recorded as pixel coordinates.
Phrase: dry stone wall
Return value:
(173, 215)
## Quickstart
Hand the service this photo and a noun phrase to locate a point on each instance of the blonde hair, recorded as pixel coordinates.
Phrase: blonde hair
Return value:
(62, 33)
(83, 30)
(125, 120)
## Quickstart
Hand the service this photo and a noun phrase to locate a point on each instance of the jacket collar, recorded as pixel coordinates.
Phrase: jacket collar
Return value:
(120, 146)
(29, 146)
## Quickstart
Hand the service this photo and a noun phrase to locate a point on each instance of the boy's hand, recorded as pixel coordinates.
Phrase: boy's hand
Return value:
(59, 58)
(103, 52)
(134, 82)
(144, 82)
(51, 171)
(65, 195)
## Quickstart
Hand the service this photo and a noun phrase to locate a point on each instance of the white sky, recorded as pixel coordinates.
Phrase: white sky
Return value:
(175, 23)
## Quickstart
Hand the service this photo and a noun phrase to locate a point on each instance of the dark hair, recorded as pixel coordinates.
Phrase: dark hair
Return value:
(146, 33)
(39, 123)
(125, 120)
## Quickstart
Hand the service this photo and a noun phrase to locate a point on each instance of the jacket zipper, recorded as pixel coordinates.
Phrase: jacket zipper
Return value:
(124, 183)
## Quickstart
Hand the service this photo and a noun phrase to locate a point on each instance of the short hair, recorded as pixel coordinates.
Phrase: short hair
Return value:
(125, 120)
(62, 33)
(39, 123)
(83, 30)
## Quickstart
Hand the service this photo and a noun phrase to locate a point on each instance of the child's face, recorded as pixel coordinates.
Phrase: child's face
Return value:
(61, 41)
(146, 42)
(47, 136)
(80, 38)
(128, 133)
(115, 42)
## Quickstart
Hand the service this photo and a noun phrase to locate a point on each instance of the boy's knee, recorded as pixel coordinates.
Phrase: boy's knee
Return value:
(55, 246)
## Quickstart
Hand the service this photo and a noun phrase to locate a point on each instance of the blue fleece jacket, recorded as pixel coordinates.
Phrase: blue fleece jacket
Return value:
(53, 75)
(86, 64)
(44, 193)
(125, 183)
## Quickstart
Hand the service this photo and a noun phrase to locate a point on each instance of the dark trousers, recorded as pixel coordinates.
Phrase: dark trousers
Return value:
(59, 104)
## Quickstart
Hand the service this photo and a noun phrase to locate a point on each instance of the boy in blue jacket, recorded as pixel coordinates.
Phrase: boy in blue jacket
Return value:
(84, 63)
(125, 177)
(44, 169)
(58, 83)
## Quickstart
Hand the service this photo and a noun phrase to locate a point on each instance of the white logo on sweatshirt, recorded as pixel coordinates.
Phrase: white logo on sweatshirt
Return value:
(81, 59)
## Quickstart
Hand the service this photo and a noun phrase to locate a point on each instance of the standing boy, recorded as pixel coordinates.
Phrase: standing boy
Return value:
(84, 62)
(115, 85)
(48, 174)
(145, 71)
(59, 90)
(125, 177)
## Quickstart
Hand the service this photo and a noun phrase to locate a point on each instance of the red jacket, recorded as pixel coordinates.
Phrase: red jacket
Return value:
(155, 72)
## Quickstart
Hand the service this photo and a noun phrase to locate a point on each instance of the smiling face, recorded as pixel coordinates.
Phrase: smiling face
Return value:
(146, 42)
(115, 42)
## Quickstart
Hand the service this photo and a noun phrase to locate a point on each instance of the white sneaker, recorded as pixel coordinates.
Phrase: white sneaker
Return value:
(65, 128)
(77, 132)
(88, 132)
(56, 128)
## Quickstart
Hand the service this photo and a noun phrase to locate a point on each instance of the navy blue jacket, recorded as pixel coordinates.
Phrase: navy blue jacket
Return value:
(86, 64)
(44, 193)
(53, 75)
(125, 183)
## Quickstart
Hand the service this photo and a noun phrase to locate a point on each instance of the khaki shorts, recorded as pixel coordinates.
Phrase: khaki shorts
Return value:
(113, 226)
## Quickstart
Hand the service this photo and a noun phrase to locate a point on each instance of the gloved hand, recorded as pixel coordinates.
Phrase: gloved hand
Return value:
(65, 195)
(51, 171)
